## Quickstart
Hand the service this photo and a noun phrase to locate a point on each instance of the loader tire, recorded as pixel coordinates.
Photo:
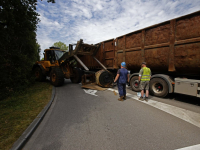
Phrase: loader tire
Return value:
(77, 75)
(134, 83)
(158, 87)
(56, 77)
(39, 76)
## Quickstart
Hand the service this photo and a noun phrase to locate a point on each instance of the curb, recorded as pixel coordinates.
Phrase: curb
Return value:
(18, 145)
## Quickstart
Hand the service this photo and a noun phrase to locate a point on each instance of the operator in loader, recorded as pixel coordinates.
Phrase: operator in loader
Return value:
(122, 78)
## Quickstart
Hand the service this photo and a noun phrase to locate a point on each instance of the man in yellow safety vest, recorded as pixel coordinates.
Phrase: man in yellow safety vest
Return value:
(144, 78)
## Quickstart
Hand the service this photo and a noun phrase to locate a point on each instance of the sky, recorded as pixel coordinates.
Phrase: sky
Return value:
(98, 20)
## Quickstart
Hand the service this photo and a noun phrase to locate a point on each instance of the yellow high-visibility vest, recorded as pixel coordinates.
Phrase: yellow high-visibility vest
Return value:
(146, 74)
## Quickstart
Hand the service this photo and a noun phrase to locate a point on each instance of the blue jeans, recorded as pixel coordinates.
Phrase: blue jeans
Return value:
(121, 89)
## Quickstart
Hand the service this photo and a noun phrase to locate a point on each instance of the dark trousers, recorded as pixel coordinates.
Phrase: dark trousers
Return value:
(121, 89)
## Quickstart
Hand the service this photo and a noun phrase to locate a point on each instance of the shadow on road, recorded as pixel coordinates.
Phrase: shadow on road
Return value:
(180, 97)
(184, 98)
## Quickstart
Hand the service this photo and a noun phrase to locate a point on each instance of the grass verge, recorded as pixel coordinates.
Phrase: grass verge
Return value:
(17, 112)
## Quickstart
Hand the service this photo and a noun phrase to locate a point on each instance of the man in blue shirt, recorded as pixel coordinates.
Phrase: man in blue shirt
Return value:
(122, 77)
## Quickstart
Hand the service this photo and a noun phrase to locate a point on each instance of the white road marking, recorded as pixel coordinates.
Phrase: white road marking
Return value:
(194, 147)
(186, 115)
(91, 92)
(112, 90)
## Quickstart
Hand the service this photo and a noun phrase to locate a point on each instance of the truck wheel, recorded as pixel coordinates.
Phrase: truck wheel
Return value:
(135, 84)
(39, 76)
(158, 87)
(56, 77)
(77, 74)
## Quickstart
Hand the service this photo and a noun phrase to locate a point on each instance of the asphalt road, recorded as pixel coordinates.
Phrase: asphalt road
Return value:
(81, 121)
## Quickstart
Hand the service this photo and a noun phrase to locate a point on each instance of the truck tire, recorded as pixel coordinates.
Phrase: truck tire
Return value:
(77, 75)
(39, 76)
(135, 84)
(56, 77)
(158, 87)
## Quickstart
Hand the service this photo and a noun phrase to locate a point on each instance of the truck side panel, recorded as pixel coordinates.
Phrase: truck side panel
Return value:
(109, 53)
(171, 46)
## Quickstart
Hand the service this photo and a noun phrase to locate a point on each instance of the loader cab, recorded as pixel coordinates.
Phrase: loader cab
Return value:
(53, 54)
(49, 56)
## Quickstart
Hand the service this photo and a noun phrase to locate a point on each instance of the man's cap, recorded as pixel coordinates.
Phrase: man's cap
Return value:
(144, 63)
(123, 64)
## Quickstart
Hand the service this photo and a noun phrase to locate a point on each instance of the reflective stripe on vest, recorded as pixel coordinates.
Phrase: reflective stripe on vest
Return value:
(146, 74)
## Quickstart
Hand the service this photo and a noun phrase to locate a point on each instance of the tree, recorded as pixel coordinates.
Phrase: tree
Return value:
(19, 48)
(53, 1)
(38, 51)
(61, 45)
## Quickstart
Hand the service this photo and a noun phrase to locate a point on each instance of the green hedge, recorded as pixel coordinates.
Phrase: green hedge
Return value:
(18, 46)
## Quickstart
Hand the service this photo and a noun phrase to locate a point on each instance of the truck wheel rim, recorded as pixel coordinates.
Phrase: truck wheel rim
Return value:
(136, 84)
(53, 77)
(157, 87)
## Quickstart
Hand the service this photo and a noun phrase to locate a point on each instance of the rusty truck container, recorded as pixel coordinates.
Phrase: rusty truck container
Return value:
(171, 49)
(171, 46)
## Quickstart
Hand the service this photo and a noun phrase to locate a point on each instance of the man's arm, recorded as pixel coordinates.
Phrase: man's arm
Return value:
(139, 78)
(128, 77)
(150, 74)
(140, 74)
(116, 78)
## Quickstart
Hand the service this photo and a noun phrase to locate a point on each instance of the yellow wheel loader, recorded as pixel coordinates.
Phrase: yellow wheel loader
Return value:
(58, 64)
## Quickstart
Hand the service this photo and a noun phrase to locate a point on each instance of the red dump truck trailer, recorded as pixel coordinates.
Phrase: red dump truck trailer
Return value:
(171, 50)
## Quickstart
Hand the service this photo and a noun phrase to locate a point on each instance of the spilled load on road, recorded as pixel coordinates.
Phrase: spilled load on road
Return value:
(58, 64)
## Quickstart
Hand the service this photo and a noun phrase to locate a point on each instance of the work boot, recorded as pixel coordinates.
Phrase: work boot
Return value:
(121, 98)
(146, 99)
(124, 97)
(141, 98)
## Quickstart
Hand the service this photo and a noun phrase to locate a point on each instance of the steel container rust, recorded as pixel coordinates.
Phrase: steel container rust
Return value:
(171, 46)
